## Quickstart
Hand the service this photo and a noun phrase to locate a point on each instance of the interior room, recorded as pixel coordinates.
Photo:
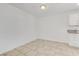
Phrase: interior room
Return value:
(39, 29)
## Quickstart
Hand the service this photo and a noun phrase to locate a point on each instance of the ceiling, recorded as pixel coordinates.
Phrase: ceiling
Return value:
(53, 8)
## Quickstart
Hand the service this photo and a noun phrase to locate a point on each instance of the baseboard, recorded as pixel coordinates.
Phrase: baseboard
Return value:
(54, 40)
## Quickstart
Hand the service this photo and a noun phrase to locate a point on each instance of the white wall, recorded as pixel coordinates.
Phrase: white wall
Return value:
(54, 28)
(16, 27)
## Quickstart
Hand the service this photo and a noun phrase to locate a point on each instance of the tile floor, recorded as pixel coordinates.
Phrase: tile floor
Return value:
(43, 48)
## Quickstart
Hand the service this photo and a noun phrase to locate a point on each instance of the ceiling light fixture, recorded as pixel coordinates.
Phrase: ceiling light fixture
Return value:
(43, 7)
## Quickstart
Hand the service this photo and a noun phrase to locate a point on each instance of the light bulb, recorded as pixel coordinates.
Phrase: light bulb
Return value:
(43, 7)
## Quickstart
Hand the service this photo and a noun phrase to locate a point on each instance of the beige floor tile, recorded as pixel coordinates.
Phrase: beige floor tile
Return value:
(11, 53)
(44, 48)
